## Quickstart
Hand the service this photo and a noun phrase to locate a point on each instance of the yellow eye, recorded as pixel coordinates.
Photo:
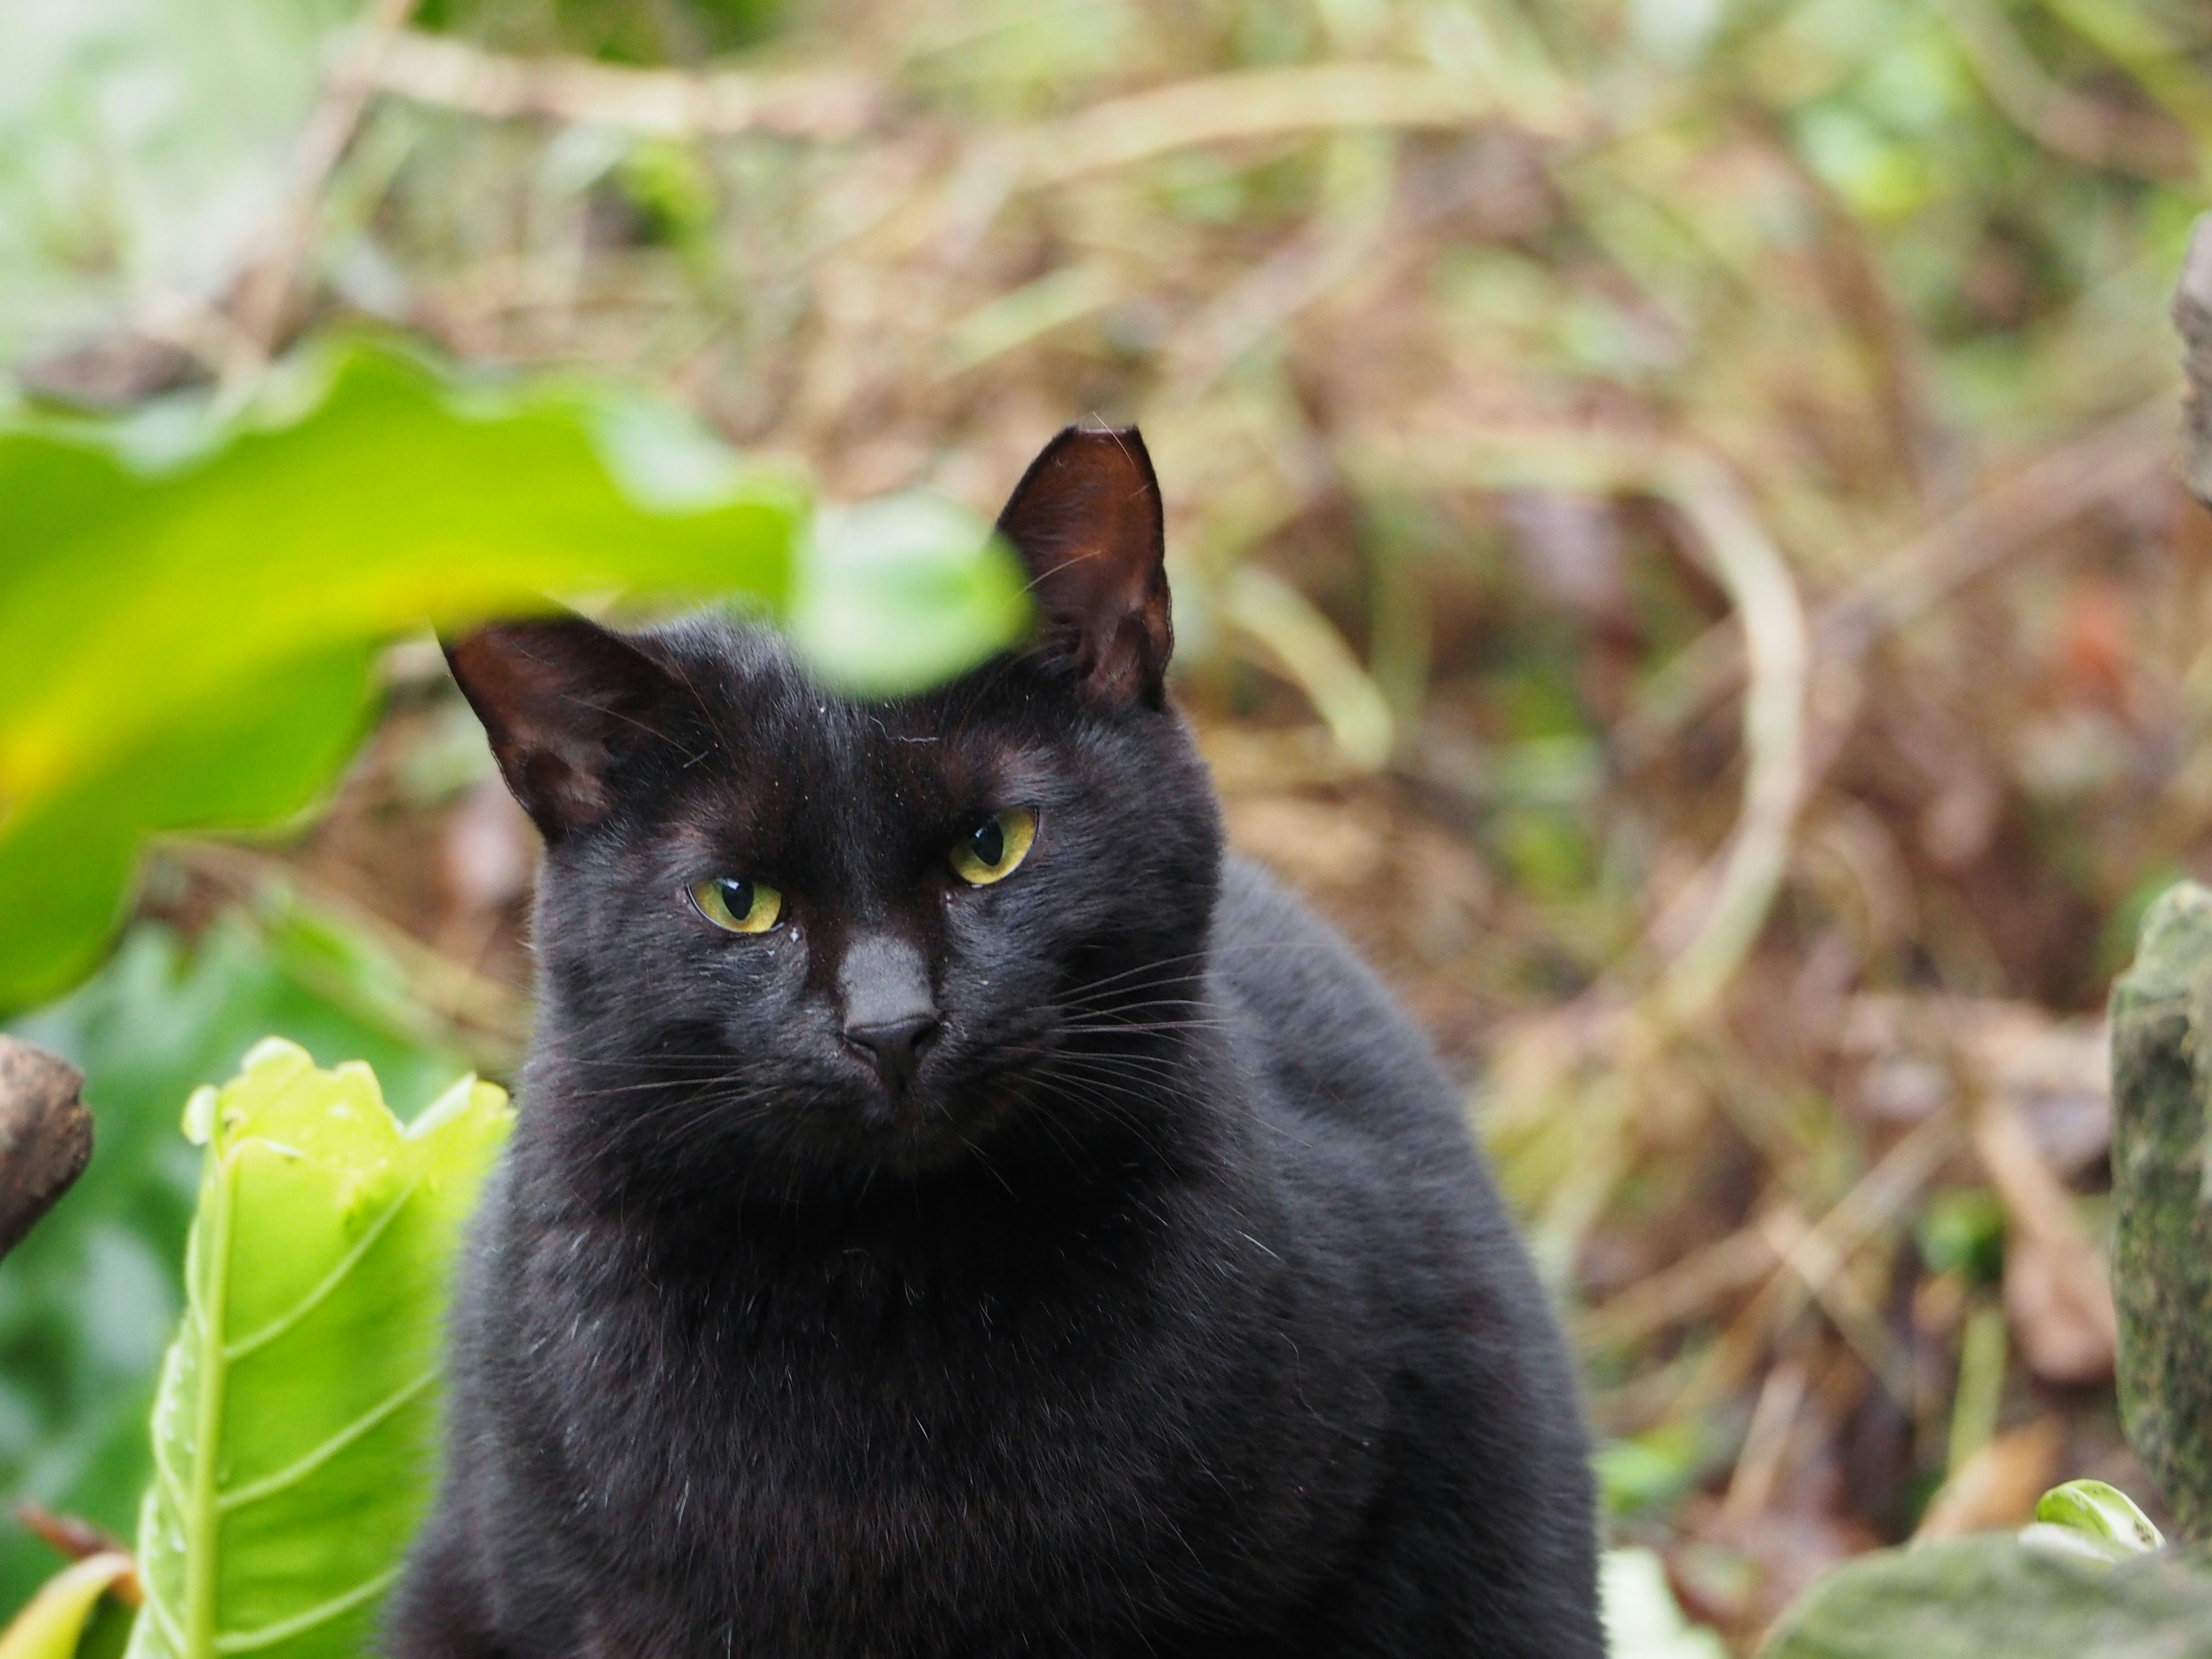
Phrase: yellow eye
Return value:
(995, 847)
(740, 907)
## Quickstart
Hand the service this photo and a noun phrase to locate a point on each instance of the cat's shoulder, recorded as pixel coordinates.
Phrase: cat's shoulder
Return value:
(1269, 944)
(1323, 1015)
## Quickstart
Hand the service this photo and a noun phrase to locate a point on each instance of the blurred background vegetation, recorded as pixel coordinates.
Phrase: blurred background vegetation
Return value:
(1675, 548)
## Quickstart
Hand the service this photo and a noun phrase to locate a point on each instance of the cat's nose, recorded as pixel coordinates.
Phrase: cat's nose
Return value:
(895, 1047)
(884, 983)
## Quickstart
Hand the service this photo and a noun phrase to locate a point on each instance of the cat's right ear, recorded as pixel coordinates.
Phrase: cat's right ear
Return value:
(562, 701)
(1086, 520)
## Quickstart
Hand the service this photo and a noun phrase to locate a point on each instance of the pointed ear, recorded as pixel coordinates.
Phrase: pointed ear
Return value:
(1086, 520)
(562, 701)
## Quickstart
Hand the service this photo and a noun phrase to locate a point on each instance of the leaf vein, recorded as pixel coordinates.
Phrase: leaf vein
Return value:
(150, 1599)
(314, 1298)
(305, 1464)
(250, 1641)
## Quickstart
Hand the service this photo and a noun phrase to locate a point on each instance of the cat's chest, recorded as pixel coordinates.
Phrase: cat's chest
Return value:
(857, 1354)
(947, 1430)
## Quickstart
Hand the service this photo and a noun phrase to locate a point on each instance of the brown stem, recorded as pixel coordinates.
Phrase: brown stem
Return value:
(45, 1136)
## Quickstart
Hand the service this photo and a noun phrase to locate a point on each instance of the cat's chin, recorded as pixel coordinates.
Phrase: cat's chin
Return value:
(916, 1132)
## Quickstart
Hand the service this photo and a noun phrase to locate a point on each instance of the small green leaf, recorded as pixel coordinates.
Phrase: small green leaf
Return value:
(53, 1623)
(2102, 1513)
(902, 592)
(293, 1431)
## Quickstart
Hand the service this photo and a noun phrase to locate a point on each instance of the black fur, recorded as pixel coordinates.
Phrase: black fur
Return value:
(1169, 1310)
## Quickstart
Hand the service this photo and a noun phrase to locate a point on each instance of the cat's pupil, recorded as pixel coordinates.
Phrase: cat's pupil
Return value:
(989, 843)
(738, 896)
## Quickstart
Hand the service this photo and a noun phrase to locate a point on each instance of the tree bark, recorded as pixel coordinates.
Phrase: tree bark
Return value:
(2161, 1015)
(45, 1136)
(2192, 315)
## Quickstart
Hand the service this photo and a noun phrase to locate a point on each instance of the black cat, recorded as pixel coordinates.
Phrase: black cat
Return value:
(957, 1212)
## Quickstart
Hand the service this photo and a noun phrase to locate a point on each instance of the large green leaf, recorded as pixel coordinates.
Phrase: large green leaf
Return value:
(294, 1424)
(188, 641)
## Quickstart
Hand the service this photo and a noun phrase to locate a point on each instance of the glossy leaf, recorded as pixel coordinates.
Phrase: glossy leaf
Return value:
(292, 1432)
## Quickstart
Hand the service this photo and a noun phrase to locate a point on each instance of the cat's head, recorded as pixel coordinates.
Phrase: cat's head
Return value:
(784, 938)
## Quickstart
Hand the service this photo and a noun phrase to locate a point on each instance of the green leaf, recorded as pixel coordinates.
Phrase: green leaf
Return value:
(190, 610)
(53, 1624)
(903, 592)
(294, 1426)
(2103, 1516)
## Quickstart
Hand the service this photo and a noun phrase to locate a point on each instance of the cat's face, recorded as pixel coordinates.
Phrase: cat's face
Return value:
(784, 938)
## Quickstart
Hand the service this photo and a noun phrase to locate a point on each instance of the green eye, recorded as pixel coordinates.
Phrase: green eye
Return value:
(739, 907)
(995, 847)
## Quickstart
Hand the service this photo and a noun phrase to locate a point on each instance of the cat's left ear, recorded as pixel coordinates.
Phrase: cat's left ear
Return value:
(1086, 520)
(563, 701)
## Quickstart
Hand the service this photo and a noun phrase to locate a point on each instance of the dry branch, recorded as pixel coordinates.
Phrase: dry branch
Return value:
(2064, 121)
(663, 103)
(1250, 104)
(1704, 935)
(2013, 515)
(45, 1136)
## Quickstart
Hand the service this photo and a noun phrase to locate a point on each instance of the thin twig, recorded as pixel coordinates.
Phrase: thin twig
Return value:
(1274, 103)
(443, 74)
(1681, 1291)
(1701, 938)
(76, 1538)
(2011, 516)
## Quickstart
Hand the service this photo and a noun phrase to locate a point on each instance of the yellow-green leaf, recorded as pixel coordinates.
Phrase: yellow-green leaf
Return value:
(53, 1622)
(294, 1426)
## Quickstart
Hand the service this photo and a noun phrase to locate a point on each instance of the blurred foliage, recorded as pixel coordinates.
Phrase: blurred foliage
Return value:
(87, 1301)
(622, 31)
(1650, 482)
(380, 505)
(140, 140)
(1642, 1620)
(1966, 1598)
